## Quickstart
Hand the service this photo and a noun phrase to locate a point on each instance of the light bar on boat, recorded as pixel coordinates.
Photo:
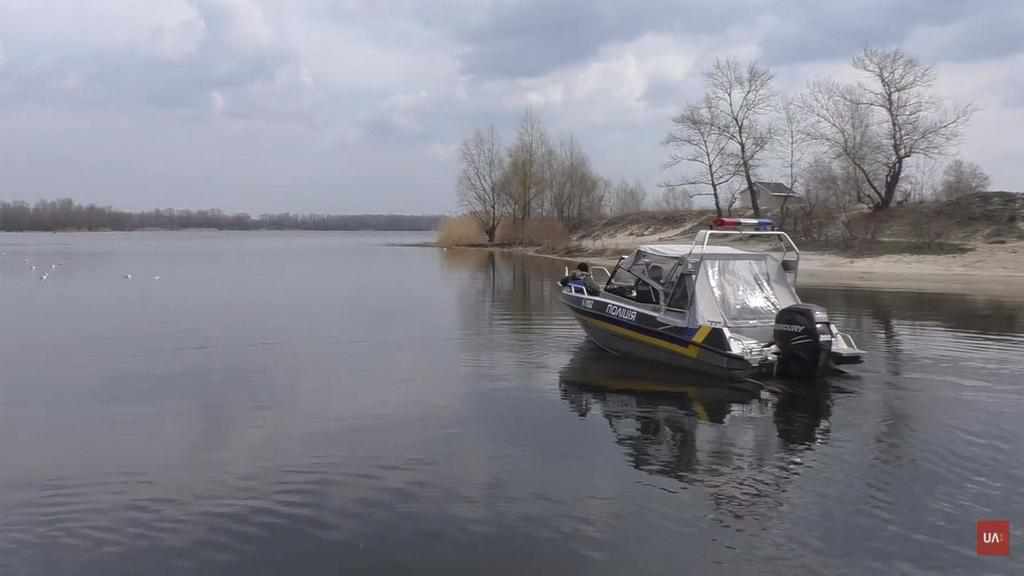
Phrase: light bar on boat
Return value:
(757, 223)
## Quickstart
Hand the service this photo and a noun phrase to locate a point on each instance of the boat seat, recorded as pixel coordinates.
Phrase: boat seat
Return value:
(645, 294)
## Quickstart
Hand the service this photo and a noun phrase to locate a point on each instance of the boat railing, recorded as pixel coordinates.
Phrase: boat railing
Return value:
(703, 238)
(578, 290)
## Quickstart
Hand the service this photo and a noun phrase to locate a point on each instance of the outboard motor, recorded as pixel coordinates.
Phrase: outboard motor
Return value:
(804, 338)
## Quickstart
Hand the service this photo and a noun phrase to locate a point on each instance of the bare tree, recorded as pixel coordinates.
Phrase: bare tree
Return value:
(483, 163)
(742, 94)
(792, 146)
(843, 128)
(605, 195)
(792, 142)
(698, 140)
(560, 183)
(629, 197)
(526, 170)
(962, 177)
(572, 185)
(732, 197)
(674, 198)
(830, 193)
(877, 126)
(821, 183)
(588, 196)
(592, 200)
(919, 183)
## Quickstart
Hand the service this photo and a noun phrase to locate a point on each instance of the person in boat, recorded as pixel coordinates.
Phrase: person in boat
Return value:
(655, 273)
(581, 277)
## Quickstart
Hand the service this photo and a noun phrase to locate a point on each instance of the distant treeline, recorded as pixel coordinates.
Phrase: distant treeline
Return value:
(65, 214)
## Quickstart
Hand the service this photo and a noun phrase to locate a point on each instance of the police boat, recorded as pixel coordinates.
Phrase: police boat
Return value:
(725, 304)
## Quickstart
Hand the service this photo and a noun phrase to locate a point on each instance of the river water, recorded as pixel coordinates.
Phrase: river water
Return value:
(314, 403)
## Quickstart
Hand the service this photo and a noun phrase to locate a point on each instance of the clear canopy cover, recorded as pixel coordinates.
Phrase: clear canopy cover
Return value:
(742, 289)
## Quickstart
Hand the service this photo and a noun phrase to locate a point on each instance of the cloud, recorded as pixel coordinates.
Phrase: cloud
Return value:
(807, 31)
(43, 33)
(173, 57)
(179, 40)
(982, 35)
(217, 102)
(323, 105)
(534, 38)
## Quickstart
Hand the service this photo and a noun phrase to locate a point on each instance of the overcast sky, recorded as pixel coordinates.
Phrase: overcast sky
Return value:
(346, 106)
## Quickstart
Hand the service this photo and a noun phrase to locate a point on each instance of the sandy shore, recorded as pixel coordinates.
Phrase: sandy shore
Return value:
(988, 270)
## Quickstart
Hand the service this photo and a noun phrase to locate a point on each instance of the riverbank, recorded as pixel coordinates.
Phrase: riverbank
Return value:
(987, 270)
(973, 244)
(993, 270)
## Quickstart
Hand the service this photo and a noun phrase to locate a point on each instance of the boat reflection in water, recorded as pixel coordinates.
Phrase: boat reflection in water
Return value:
(740, 443)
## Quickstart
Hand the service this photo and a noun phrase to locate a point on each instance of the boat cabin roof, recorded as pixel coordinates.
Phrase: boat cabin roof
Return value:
(669, 250)
(681, 250)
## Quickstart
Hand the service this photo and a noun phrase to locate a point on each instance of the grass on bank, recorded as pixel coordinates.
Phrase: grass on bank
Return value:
(460, 231)
(465, 230)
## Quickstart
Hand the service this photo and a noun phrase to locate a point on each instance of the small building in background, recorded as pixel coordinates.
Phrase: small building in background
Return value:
(770, 196)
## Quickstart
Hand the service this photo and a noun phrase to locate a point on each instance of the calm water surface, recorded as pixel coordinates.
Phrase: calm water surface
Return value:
(326, 403)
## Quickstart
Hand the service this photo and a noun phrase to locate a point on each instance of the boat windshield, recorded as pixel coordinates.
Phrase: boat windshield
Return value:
(742, 289)
(643, 277)
(653, 266)
(644, 265)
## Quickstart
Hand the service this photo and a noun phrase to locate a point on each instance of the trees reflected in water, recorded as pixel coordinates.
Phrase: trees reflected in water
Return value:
(506, 282)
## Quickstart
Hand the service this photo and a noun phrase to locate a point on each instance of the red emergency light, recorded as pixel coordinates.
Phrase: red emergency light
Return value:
(758, 223)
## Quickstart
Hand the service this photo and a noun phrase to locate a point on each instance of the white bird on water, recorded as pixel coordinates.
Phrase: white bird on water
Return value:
(44, 276)
(127, 276)
(156, 277)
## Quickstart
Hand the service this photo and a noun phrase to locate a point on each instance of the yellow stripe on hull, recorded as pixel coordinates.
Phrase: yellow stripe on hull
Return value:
(691, 351)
